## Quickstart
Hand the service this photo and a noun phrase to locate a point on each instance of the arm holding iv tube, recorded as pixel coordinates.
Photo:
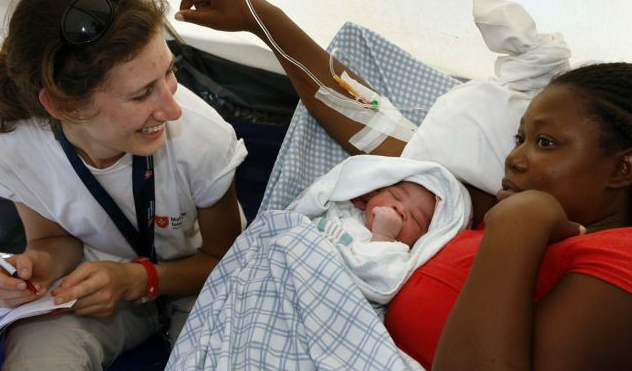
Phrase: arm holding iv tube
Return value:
(305, 62)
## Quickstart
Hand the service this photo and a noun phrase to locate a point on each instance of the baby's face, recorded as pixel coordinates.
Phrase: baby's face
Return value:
(413, 203)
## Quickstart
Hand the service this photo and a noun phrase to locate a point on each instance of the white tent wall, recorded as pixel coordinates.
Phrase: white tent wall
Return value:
(439, 32)
(442, 32)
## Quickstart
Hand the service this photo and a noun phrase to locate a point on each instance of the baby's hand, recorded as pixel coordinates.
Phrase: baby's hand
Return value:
(386, 224)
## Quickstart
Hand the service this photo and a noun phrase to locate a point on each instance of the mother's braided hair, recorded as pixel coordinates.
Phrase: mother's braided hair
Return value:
(606, 91)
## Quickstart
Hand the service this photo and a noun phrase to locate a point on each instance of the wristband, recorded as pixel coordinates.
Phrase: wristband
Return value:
(152, 278)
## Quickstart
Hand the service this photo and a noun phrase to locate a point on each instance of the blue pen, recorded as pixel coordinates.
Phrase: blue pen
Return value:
(14, 273)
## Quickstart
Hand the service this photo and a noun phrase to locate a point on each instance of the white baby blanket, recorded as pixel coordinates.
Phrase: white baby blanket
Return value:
(381, 276)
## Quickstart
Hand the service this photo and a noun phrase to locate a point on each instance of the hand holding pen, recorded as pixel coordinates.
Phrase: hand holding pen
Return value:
(14, 273)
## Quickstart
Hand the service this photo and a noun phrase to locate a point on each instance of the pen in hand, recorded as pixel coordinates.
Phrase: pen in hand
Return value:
(14, 273)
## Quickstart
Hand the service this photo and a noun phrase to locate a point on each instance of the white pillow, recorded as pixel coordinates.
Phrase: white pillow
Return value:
(470, 129)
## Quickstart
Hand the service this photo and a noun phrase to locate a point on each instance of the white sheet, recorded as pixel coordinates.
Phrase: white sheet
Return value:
(475, 123)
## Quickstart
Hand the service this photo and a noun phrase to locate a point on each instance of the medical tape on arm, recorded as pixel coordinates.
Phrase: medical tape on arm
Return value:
(387, 121)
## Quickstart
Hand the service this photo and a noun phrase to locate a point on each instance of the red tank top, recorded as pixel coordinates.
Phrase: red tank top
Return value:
(416, 316)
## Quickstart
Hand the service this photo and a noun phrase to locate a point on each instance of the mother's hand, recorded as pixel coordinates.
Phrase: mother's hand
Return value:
(223, 15)
(100, 286)
(537, 209)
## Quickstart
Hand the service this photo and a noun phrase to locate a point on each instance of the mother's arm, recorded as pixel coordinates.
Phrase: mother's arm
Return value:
(582, 324)
(232, 15)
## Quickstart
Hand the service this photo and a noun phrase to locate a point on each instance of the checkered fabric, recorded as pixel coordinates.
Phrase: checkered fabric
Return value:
(281, 299)
(309, 152)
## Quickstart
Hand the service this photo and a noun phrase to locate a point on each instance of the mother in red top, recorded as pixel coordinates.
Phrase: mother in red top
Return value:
(530, 291)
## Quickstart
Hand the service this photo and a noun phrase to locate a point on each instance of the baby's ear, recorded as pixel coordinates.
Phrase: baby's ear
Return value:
(361, 201)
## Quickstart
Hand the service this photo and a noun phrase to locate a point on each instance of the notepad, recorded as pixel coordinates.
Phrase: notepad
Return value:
(43, 305)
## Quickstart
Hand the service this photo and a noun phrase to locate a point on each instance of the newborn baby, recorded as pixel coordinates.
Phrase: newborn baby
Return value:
(380, 219)
(400, 212)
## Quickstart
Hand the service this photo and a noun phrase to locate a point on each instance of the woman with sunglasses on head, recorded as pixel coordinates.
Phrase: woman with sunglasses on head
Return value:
(122, 178)
(546, 282)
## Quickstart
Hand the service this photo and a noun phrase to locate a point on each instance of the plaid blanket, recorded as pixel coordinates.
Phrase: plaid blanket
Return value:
(281, 299)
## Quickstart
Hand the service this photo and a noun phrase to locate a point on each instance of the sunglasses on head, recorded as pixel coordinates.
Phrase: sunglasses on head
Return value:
(85, 21)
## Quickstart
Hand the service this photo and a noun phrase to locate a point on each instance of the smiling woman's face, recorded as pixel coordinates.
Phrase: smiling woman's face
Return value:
(558, 151)
(130, 113)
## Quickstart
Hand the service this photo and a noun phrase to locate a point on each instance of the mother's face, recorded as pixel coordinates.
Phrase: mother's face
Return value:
(558, 151)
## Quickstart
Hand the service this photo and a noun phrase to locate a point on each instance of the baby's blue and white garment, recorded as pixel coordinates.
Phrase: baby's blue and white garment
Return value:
(380, 269)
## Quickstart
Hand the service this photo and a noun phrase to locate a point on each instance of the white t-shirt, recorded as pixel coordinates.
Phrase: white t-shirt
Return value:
(193, 170)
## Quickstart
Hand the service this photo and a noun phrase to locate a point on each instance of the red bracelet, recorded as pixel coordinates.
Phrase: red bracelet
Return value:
(152, 276)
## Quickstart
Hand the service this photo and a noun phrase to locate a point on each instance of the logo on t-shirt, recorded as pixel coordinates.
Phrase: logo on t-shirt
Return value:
(162, 221)
(176, 222)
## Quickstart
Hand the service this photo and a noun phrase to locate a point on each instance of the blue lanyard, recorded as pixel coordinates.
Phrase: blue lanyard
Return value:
(141, 240)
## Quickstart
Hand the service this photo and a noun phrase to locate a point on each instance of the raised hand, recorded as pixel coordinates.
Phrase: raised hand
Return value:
(387, 224)
(223, 15)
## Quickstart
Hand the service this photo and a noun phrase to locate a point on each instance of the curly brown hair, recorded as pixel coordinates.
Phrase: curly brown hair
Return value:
(31, 60)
